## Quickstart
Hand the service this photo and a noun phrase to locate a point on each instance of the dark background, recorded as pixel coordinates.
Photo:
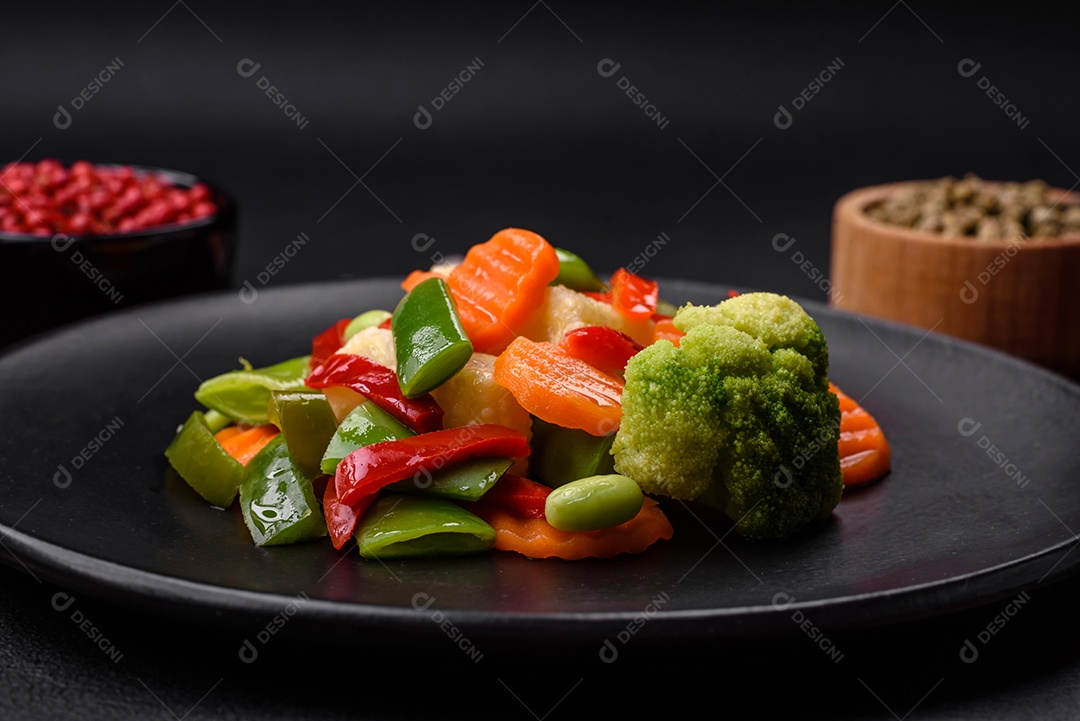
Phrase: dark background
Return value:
(538, 139)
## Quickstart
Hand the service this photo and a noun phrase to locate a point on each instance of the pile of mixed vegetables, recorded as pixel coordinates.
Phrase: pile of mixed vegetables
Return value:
(515, 401)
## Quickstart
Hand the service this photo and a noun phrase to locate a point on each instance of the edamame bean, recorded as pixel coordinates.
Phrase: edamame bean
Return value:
(592, 503)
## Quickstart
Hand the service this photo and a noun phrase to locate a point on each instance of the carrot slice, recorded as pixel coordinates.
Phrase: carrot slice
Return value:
(417, 277)
(865, 454)
(243, 445)
(666, 330)
(226, 433)
(535, 537)
(559, 388)
(500, 284)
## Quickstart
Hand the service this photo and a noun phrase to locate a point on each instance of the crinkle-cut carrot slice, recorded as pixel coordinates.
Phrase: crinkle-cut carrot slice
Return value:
(500, 284)
(865, 454)
(417, 277)
(558, 388)
(243, 445)
(536, 538)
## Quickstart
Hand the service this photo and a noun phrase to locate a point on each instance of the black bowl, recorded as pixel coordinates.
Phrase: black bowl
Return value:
(47, 281)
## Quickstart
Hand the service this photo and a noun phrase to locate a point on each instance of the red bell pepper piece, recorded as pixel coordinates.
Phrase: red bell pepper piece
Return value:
(341, 518)
(367, 469)
(633, 296)
(380, 385)
(602, 296)
(601, 347)
(517, 495)
(385, 325)
(328, 343)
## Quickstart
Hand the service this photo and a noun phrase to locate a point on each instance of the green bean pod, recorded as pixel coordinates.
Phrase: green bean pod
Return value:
(575, 273)
(244, 395)
(465, 481)
(400, 526)
(429, 340)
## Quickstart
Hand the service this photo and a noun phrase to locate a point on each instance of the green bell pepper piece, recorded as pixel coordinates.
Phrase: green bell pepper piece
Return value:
(465, 481)
(365, 320)
(429, 340)
(365, 424)
(561, 455)
(277, 500)
(243, 395)
(307, 422)
(203, 463)
(400, 526)
(576, 274)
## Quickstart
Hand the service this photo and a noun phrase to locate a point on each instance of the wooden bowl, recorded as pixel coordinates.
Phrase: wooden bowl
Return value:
(1021, 297)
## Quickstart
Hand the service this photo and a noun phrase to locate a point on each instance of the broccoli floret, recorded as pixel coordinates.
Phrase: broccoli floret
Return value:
(739, 415)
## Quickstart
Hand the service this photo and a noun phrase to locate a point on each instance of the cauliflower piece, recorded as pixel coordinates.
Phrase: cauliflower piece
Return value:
(472, 396)
(564, 310)
(374, 343)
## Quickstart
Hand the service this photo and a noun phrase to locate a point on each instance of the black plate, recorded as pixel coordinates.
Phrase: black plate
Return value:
(972, 513)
